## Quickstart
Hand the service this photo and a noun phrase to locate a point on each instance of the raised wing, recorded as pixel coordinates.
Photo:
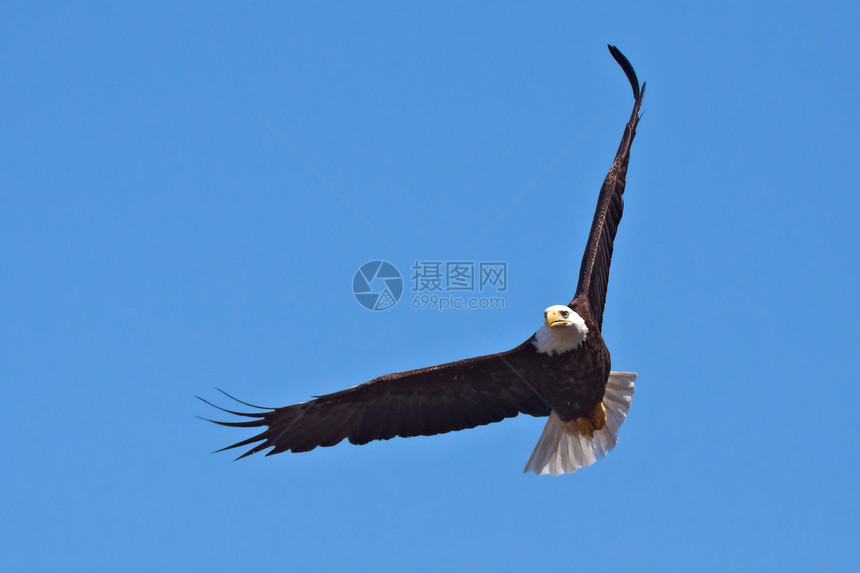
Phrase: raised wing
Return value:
(594, 272)
(424, 402)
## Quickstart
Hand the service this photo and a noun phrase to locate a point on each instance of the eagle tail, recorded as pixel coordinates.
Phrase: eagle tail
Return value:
(560, 451)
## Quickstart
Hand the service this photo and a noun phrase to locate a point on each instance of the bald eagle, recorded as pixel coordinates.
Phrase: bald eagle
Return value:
(562, 371)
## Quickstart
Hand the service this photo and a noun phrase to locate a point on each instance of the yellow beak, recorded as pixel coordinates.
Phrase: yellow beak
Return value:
(554, 319)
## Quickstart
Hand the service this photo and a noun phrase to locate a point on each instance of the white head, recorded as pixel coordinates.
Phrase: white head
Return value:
(562, 330)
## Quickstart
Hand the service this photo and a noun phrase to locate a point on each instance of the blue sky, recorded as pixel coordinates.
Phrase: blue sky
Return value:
(159, 240)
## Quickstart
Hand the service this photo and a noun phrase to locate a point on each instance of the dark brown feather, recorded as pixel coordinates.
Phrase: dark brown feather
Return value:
(594, 271)
(424, 402)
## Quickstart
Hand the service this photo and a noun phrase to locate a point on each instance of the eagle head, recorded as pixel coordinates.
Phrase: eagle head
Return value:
(560, 316)
(563, 330)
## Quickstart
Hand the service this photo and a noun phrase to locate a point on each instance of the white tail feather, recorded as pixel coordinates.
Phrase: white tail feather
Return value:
(560, 450)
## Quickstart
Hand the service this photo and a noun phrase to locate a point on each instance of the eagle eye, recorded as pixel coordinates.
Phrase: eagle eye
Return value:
(564, 314)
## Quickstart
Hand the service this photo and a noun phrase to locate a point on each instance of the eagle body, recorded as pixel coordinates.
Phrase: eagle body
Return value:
(574, 381)
(562, 371)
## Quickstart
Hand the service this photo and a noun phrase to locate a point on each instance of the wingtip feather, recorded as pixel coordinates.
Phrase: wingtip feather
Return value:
(625, 64)
(244, 414)
(242, 401)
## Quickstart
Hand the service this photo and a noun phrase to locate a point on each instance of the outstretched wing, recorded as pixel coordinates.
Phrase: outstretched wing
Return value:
(594, 272)
(424, 402)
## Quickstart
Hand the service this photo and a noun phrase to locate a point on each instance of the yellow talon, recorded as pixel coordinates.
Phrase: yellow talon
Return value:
(598, 416)
(585, 427)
